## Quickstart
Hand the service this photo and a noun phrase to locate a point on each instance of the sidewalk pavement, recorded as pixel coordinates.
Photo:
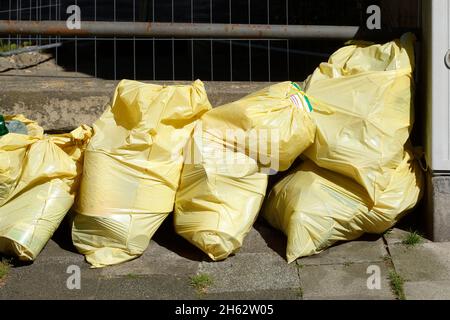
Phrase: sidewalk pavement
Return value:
(170, 265)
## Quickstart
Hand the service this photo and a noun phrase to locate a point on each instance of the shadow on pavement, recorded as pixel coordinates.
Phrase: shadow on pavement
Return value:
(166, 237)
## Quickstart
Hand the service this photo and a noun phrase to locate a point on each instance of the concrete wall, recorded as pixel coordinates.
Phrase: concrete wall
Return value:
(63, 104)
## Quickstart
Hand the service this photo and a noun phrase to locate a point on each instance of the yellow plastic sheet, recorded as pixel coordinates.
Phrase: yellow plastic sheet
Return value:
(316, 207)
(74, 145)
(37, 180)
(363, 108)
(221, 194)
(132, 168)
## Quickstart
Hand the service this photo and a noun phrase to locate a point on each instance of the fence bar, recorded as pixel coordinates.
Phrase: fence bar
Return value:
(30, 49)
(179, 30)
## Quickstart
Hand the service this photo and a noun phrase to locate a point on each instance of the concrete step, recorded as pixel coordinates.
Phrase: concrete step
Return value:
(65, 103)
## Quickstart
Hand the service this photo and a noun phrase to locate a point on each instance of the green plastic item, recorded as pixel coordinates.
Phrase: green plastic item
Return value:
(3, 129)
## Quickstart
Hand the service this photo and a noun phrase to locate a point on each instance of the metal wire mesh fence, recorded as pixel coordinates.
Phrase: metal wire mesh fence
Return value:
(186, 59)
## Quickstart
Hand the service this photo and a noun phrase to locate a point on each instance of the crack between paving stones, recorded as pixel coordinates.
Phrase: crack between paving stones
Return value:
(388, 250)
(391, 265)
(337, 263)
(299, 280)
(97, 288)
(386, 245)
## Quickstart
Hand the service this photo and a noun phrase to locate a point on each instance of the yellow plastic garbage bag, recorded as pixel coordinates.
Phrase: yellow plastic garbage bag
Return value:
(37, 180)
(272, 125)
(363, 108)
(74, 145)
(218, 200)
(316, 207)
(14, 148)
(132, 168)
(237, 145)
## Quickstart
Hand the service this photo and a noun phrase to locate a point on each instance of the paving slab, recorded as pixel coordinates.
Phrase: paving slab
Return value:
(48, 280)
(343, 282)
(422, 262)
(427, 290)
(156, 260)
(264, 239)
(250, 272)
(166, 240)
(153, 287)
(396, 236)
(345, 252)
(53, 251)
(285, 294)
